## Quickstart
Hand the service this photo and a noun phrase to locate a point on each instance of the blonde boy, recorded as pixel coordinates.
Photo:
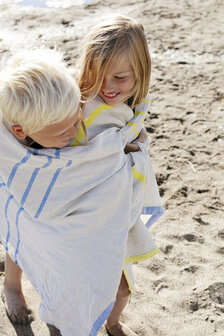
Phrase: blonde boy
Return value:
(40, 105)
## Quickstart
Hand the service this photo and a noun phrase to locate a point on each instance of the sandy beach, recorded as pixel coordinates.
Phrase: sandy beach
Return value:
(179, 292)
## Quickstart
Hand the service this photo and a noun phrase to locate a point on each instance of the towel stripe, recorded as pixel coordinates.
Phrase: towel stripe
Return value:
(44, 200)
(139, 176)
(14, 169)
(101, 319)
(95, 114)
(7, 219)
(156, 212)
(57, 153)
(32, 179)
(132, 124)
(88, 121)
(18, 235)
(140, 113)
(50, 187)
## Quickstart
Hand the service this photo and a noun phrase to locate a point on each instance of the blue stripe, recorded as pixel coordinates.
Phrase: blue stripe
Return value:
(50, 187)
(2, 184)
(101, 319)
(35, 152)
(32, 179)
(8, 223)
(14, 169)
(48, 192)
(69, 163)
(57, 153)
(155, 212)
(18, 235)
(49, 160)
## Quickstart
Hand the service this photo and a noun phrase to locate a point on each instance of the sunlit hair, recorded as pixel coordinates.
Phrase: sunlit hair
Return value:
(109, 40)
(36, 90)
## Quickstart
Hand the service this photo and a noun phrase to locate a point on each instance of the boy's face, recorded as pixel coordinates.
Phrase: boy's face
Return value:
(56, 135)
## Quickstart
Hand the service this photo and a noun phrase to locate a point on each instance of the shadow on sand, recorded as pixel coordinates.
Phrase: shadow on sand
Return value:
(26, 330)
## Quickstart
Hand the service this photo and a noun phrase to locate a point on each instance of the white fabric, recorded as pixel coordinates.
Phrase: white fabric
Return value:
(69, 217)
(99, 116)
(65, 216)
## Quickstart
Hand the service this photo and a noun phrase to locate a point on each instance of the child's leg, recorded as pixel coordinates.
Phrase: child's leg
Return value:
(12, 293)
(113, 324)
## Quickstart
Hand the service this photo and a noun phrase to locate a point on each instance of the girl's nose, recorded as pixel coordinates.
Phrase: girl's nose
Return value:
(107, 85)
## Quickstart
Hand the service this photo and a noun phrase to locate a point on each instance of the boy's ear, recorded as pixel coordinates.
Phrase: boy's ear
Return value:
(18, 131)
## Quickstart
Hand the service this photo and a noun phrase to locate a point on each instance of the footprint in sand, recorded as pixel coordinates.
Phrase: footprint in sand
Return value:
(220, 250)
(221, 234)
(193, 238)
(200, 220)
(216, 292)
(167, 249)
(191, 269)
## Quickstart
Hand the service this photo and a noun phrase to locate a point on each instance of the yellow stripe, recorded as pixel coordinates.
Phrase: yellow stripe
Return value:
(134, 128)
(142, 256)
(146, 101)
(132, 124)
(140, 112)
(88, 121)
(139, 176)
(95, 114)
(135, 131)
(130, 286)
(79, 137)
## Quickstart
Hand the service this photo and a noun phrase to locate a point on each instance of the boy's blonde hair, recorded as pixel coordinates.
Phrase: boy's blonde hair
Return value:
(111, 38)
(36, 90)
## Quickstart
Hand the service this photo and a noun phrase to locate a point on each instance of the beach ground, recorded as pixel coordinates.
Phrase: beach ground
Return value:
(181, 290)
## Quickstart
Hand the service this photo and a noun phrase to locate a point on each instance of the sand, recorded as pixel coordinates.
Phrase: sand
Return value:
(180, 291)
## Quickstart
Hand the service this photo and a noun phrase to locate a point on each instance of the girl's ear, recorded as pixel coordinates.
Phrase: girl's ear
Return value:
(18, 131)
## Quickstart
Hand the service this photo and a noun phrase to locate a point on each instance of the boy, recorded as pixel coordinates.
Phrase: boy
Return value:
(40, 105)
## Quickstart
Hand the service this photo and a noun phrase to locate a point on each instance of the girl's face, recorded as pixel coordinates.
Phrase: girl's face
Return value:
(119, 81)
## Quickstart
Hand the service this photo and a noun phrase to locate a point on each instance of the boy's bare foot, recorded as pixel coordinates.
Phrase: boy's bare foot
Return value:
(15, 305)
(120, 330)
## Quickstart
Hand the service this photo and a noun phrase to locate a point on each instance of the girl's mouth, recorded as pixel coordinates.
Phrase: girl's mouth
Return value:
(110, 95)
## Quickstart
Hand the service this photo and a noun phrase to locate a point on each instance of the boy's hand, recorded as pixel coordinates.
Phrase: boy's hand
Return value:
(133, 147)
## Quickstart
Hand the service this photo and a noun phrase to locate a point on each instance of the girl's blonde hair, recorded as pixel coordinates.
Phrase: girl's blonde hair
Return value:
(36, 90)
(111, 38)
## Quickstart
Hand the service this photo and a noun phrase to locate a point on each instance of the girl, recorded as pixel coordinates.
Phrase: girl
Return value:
(114, 68)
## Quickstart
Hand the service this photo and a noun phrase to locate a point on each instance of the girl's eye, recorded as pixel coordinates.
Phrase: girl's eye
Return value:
(117, 77)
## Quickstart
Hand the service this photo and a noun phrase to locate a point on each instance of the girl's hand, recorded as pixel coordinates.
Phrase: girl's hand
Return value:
(142, 137)
(130, 147)
(133, 147)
